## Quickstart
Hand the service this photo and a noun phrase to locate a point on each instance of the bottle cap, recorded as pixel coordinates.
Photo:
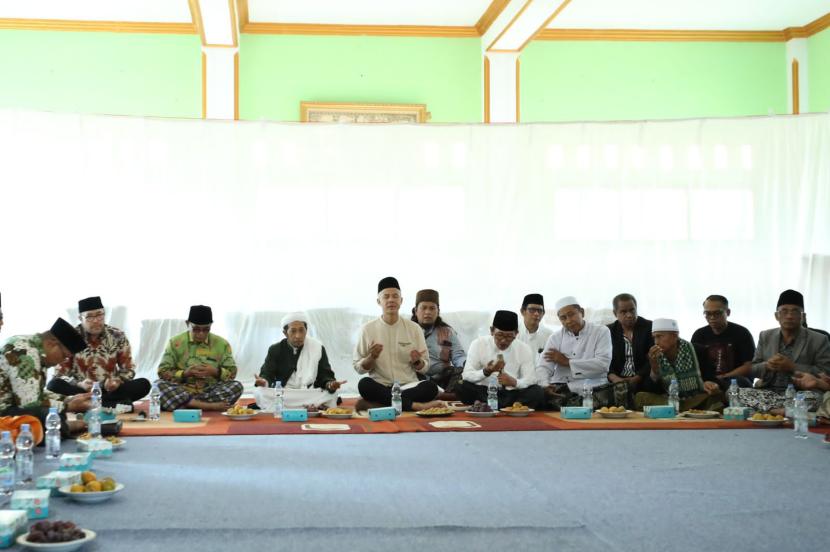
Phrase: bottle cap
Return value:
(53, 410)
(6, 435)
(24, 427)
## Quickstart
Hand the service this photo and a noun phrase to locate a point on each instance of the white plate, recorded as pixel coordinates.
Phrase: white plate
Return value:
(481, 414)
(459, 406)
(769, 423)
(337, 416)
(239, 417)
(115, 446)
(614, 414)
(705, 415)
(56, 546)
(517, 413)
(313, 414)
(100, 496)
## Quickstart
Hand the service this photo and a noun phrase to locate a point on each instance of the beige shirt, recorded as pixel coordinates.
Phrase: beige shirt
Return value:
(398, 340)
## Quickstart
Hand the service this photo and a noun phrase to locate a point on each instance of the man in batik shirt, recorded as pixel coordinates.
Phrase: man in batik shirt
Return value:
(197, 369)
(107, 360)
(23, 365)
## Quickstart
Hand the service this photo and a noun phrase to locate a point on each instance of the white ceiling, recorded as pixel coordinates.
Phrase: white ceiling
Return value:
(761, 15)
(464, 13)
(155, 11)
(709, 15)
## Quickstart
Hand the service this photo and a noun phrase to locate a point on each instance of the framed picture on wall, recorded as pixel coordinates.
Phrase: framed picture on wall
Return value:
(323, 112)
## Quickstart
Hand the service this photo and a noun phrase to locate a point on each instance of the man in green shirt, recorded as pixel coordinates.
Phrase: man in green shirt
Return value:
(197, 369)
(23, 364)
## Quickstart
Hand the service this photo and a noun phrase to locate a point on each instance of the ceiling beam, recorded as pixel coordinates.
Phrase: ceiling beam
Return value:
(648, 35)
(519, 22)
(493, 11)
(367, 30)
(216, 22)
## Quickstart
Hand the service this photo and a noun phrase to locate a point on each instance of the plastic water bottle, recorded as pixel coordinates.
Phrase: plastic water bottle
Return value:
(7, 467)
(800, 413)
(53, 434)
(94, 421)
(154, 413)
(24, 459)
(587, 396)
(397, 402)
(278, 394)
(674, 395)
(734, 394)
(493, 394)
(789, 402)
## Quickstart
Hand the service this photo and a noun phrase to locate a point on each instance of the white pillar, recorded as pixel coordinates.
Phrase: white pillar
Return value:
(220, 84)
(502, 83)
(797, 51)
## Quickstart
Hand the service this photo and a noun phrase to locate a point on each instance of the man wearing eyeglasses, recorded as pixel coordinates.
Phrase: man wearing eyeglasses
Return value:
(532, 332)
(107, 360)
(501, 355)
(729, 346)
(197, 369)
(782, 352)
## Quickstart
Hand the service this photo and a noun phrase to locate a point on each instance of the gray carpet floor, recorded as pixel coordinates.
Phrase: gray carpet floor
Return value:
(552, 490)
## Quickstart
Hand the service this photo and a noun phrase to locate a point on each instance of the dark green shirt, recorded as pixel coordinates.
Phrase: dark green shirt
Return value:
(281, 362)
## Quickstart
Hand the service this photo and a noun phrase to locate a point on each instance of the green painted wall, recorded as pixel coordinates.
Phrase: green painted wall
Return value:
(818, 71)
(276, 73)
(126, 74)
(570, 81)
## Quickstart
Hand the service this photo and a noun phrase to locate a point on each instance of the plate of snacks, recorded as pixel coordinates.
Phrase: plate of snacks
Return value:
(117, 442)
(337, 413)
(435, 412)
(481, 410)
(458, 406)
(700, 414)
(613, 412)
(768, 420)
(518, 409)
(55, 536)
(240, 413)
(92, 489)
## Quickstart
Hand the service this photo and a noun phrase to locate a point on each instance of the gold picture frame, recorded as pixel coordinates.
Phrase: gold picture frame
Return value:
(371, 113)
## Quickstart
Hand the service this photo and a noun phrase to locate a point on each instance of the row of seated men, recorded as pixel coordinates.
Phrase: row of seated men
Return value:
(627, 363)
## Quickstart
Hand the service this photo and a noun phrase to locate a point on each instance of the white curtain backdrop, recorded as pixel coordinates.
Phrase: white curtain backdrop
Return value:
(257, 219)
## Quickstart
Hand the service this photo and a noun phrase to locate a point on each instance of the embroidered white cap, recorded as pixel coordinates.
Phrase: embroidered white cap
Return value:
(293, 317)
(565, 301)
(664, 325)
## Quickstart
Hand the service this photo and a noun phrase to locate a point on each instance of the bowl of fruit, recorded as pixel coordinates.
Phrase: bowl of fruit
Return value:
(92, 489)
(518, 409)
(56, 536)
(613, 412)
(481, 410)
(240, 413)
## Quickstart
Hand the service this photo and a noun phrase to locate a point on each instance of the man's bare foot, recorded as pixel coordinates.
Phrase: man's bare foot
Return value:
(416, 406)
(204, 405)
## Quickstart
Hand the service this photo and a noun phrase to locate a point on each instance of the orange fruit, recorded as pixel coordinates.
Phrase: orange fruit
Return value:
(88, 476)
(76, 488)
(93, 486)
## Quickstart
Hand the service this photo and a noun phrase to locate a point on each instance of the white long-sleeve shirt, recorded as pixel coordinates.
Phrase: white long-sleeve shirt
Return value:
(536, 341)
(398, 340)
(518, 362)
(588, 352)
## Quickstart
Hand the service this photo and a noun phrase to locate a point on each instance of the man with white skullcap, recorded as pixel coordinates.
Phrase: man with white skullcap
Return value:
(674, 358)
(299, 362)
(575, 356)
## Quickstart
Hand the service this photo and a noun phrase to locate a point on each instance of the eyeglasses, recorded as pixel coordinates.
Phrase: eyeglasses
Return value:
(200, 329)
(788, 312)
(535, 310)
(94, 316)
(504, 335)
(713, 314)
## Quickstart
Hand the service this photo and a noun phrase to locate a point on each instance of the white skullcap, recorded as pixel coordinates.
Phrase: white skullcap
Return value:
(664, 325)
(293, 317)
(565, 301)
